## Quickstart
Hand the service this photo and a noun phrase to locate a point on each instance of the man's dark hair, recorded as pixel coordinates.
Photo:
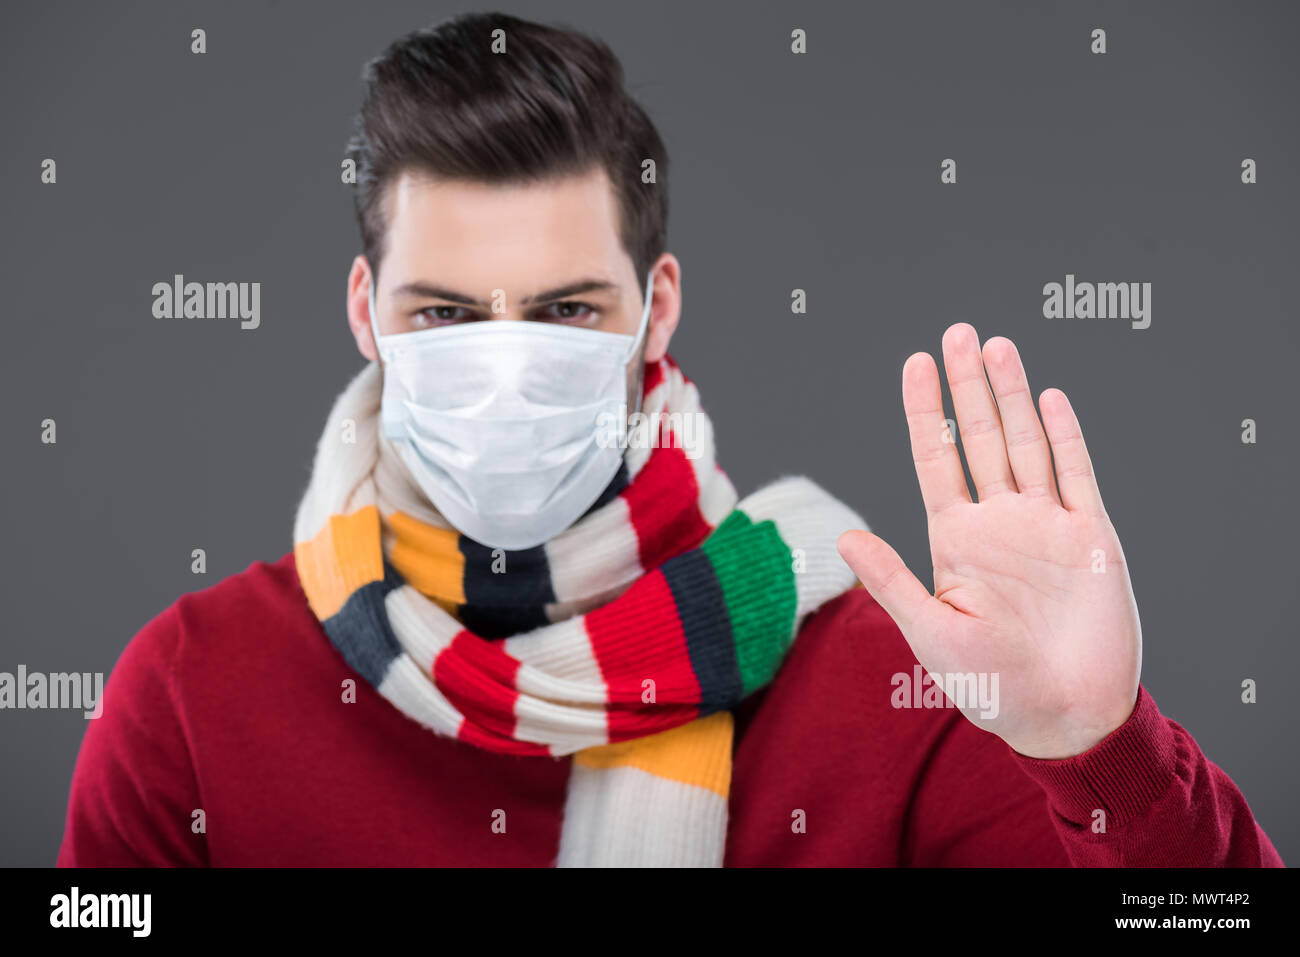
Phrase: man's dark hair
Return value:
(439, 101)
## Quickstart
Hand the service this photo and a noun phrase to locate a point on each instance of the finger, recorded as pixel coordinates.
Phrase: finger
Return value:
(883, 573)
(934, 451)
(1027, 449)
(977, 416)
(1074, 473)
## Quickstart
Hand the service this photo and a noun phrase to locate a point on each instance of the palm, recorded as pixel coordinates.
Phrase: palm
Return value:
(1030, 585)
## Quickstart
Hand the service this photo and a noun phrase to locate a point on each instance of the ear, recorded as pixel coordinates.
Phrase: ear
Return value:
(358, 305)
(665, 306)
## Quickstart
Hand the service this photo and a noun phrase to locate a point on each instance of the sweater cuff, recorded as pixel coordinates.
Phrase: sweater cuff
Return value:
(1123, 774)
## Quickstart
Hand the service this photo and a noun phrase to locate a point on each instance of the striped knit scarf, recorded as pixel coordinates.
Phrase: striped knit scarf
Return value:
(623, 641)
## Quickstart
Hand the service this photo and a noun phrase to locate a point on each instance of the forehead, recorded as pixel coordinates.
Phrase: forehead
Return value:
(488, 232)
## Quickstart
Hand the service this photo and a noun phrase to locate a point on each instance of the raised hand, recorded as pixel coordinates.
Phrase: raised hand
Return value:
(1030, 584)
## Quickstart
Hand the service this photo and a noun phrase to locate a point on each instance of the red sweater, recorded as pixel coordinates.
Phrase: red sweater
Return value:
(230, 702)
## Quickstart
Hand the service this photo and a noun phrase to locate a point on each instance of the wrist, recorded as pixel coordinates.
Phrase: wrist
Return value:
(1122, 775)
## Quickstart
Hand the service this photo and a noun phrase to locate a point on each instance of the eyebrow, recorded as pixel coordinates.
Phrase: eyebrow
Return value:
(560, 292)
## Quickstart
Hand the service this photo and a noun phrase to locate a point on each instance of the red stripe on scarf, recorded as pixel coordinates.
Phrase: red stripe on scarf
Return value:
(478, 678)
(664, 505)
(654, 375)
(640, 627)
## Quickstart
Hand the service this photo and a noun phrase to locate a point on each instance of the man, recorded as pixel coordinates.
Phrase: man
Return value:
(527, 620)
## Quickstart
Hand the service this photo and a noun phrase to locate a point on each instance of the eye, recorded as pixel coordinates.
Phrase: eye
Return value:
(567, 311)
(441, 315)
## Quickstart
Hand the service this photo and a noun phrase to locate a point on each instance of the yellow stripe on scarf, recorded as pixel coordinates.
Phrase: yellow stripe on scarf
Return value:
(430, 560)
(698, 753)
(339, 559)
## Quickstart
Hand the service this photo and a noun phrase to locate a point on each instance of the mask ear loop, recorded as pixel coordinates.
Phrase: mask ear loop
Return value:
(374, 322)
(645, 317)
(640, 333)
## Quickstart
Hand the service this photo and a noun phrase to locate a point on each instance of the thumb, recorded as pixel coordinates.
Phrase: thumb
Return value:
(883, 573)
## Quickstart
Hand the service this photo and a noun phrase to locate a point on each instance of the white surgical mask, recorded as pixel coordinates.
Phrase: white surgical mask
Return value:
(511, 428)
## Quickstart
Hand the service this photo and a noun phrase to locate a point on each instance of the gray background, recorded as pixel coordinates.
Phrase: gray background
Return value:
(818, 171)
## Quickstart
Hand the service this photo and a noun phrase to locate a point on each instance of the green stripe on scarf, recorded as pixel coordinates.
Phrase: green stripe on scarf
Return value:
(756, 571)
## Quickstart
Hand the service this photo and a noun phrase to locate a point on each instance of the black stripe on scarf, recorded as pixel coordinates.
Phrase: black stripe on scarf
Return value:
(362, 616)
(509, 600)
(710, 643)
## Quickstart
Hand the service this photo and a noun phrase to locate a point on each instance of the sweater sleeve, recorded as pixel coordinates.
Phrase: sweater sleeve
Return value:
(980, 803)
(134, 790)
(1164, 803)
(882, 782)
